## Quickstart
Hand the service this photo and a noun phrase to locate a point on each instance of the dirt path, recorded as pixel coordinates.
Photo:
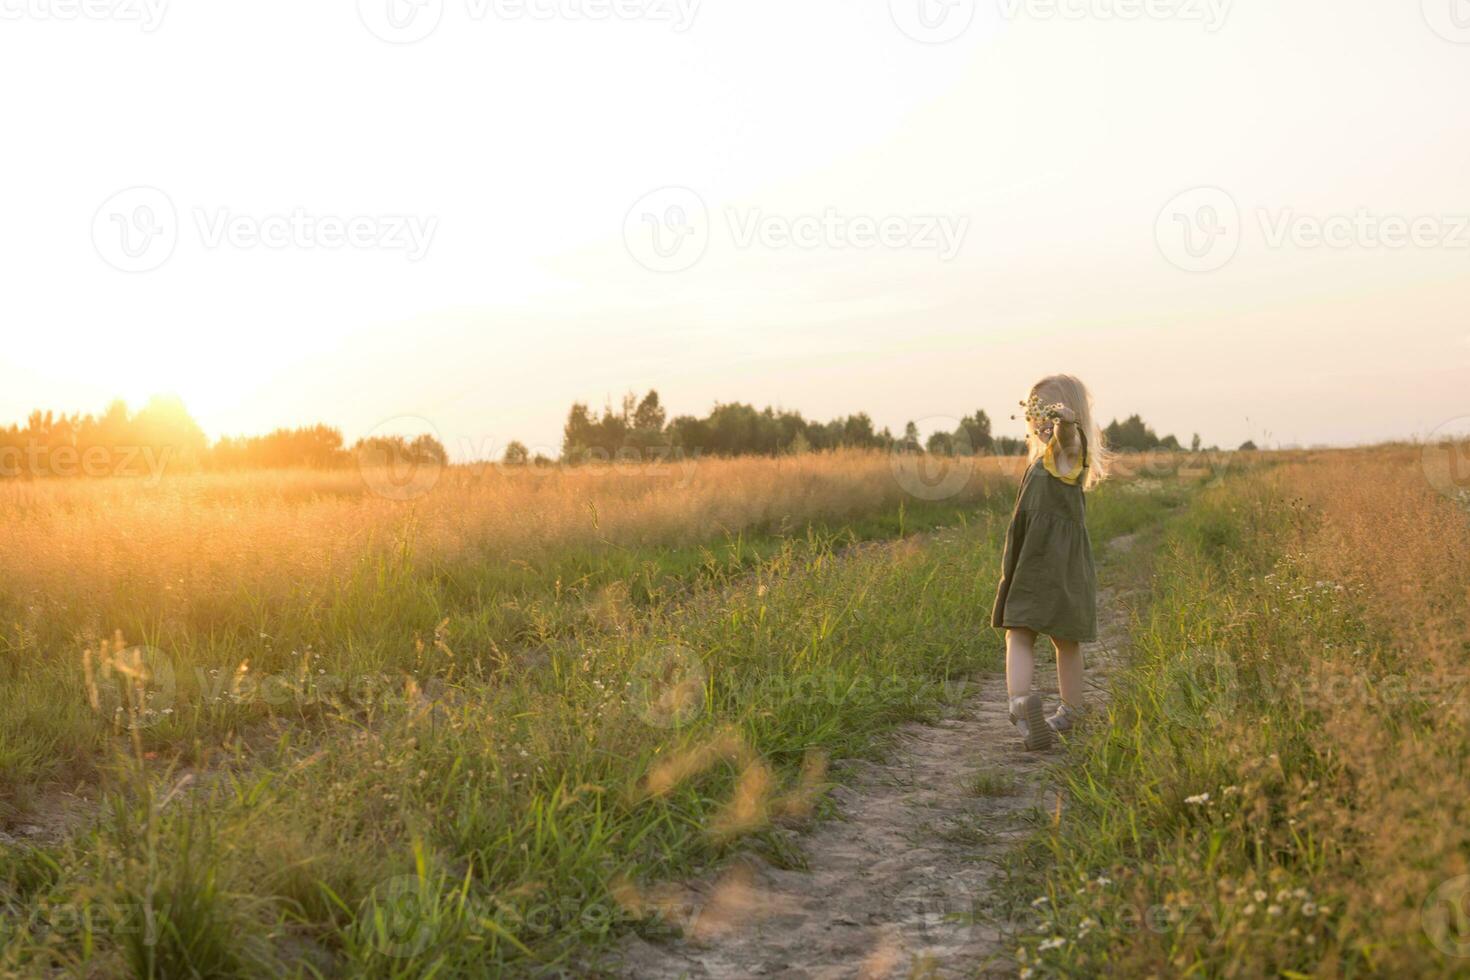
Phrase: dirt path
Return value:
(892, 881)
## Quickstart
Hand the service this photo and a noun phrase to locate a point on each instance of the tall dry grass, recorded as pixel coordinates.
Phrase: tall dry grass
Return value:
(84, 553)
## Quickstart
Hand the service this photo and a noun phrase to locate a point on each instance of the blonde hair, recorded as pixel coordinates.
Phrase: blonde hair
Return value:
(1072, 393)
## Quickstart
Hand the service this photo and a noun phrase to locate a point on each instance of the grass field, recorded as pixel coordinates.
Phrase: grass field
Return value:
(1280, 786)
(281, 724)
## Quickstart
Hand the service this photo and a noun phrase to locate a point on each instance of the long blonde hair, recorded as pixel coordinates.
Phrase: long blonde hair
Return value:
(1072, 393)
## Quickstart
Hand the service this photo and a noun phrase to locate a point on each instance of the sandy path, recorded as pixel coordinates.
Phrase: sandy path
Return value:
(893, 883)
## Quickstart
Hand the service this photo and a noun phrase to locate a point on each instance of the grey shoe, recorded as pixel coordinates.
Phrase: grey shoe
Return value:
(1065, 719)
(1030, 719)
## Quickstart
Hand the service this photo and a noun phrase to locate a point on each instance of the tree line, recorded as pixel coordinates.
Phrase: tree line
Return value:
(120, 442)
(738, 429)
(162, 434)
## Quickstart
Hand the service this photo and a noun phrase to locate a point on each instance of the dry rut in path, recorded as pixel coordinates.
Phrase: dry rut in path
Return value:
(892, 881)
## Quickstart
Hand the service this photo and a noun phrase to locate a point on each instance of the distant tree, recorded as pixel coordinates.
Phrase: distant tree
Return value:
(1132, 435)
(648, 417)
(516, 454)
(1194, 443)
(910, 443)
(1247, 447)
(399, 451)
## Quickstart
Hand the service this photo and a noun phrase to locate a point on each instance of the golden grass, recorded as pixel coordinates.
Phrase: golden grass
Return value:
(81, 549)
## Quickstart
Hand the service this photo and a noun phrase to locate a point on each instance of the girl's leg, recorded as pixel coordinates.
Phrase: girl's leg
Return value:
(1069, 672)
(1020, 661)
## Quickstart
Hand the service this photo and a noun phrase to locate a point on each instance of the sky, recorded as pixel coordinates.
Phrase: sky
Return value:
(1246, 220)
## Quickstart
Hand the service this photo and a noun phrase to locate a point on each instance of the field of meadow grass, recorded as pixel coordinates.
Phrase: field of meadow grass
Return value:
(254, 718)
(283, 725)
(1280, 785)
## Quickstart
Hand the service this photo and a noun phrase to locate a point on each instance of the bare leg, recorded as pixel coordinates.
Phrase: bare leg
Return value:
(1020, 661)
(1069, 672)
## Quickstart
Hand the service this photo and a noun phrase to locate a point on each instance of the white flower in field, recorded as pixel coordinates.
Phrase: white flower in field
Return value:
(1249, 909)
(1055, 942)
(1260, 896)
(1104, 880)
(1025, 973)
(1200, 800)
(1309, 909)
(1231, 790)
(1283, 896)
(1038, 903)
(1273, 910)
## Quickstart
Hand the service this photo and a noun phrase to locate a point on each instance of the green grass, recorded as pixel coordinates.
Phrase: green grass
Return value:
(368, 630)
(477, 817)
(993, 782)
(1208, 827)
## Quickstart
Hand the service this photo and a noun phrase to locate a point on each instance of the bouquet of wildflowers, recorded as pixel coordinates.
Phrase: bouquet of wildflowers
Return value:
(1040, 413)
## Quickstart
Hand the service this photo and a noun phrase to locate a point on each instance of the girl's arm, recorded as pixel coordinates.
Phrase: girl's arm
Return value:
(1068, 435)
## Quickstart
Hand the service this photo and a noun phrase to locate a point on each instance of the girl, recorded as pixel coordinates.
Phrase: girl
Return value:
(1048, 584)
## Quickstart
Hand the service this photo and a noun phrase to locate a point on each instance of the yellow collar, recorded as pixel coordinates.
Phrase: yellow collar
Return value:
(1048, 460)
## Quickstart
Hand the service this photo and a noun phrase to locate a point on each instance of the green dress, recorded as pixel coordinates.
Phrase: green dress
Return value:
(1048, 583)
